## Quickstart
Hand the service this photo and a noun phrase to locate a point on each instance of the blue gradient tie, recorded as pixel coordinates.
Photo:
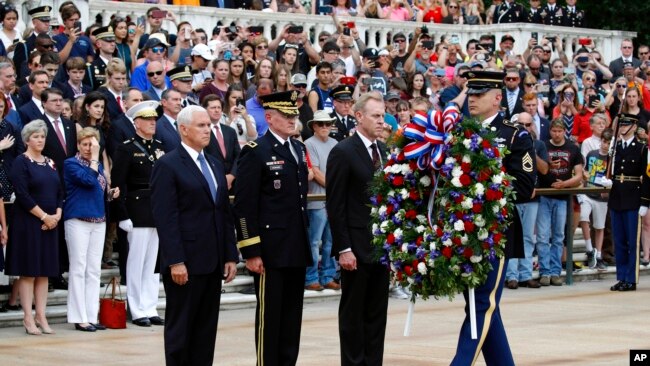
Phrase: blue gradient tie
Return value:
(207, 176)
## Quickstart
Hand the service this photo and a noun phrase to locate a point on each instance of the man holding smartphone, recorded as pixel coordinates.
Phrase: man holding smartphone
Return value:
(71, 42)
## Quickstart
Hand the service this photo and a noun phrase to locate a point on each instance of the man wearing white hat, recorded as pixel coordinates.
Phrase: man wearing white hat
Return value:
(201, 57)
(133, 164)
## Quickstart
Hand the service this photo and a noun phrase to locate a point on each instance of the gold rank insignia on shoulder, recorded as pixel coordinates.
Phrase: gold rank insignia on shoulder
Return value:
(252, 144)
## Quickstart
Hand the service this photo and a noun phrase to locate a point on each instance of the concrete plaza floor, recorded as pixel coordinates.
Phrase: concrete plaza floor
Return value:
(583, 324)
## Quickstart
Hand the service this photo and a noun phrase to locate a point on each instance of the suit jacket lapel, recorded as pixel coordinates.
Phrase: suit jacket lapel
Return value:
(362, 151)
(51, 134)
(196, 172)
(280, 149)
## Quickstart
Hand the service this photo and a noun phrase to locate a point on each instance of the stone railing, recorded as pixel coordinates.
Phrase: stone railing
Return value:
(373, 31)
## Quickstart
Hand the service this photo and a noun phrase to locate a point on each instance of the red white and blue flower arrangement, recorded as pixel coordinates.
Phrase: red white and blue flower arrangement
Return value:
(442, 204)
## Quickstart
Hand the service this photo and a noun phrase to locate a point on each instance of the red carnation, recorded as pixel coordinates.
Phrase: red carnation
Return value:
(390, 162)
(413, 165)
(483, 175)
(399, 275)
(497, 237)
(411, 214)
(465, 180)
(469, 226)
(477, 208)
(468, 134)
(398, 181)
(466, 167)
(400, 156)
(486, 144)
(419, 240)
(389, 209)
(496, 152)
(459, 215)
(390, 238)
(505, 182)
(456, 241)
(446, 252)
(408, 270)
(380, 198)
(459, 199)
(494, 227)
(485, 245)
(490, 195)
(439, 232)
(415, 263)
(468, 253)
(414, 195)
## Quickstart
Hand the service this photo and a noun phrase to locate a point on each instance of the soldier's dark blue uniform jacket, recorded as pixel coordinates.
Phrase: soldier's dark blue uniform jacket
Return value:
(95, 73)
(132, 166)
(574, 18)
(508, 14)
(553, 17)
(628, 192)
(341, 131)
(519, 163)
(271, 203)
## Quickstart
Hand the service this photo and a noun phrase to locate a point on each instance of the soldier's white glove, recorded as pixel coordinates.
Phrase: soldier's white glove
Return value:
(607, 183)
(126, 225)
(643, 211)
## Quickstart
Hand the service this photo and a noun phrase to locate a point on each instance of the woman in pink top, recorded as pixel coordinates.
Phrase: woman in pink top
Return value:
(398, 10)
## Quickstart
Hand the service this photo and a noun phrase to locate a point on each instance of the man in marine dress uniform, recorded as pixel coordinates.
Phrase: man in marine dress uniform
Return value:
(484, 92)
(96, 71)
(271, 220)
(628, 199)
(132, 166)
(345, 124)
(181, 79)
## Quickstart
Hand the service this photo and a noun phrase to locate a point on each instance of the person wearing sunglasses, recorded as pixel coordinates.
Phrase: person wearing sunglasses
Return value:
(41, 24)
(627, 55)
(512, 97)
(157, 76)
(154, 50)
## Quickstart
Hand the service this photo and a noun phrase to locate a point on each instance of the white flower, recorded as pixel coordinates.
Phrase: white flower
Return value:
(404, 193)
(459, 225)
(503, 202)
(392, 267)
(400, 214)
(422, 219)
(422, 268)
(493, 128)
(420, 229)
(406, 169)
(479, 221)
(467, 143)
(410, 280)
(405, 248)
(425, 181)
(464, 239)
(456, 172)
(375, 227)
(432, 246)
(479, 189)
(383, 227)
(382, 210)
(447, 243)
(496, 208)
(482, 234)
(479, 140)
(431, 262)
(497, 179)
(476, 258)
(456, 182)
(467, 159)
(467, 203)
(398, 233)
(373, 211)
(465, 274)
(455, 268)
(444, 200)
(391, 193)
(450, 160)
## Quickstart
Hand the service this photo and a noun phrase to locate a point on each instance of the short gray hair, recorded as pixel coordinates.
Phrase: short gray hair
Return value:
(186, 114)
(33, 127)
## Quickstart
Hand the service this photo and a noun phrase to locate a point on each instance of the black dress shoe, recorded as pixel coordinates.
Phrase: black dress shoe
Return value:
(618, 286)
(142, 322)
(60, 284)
(88, 328)
(156, 320)
(10, 307)
(628, 287)
(98, 326)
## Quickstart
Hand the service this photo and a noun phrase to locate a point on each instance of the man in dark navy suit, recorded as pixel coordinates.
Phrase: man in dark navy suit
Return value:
(224, 144)
(167, 126)
(61, 141)
(123, 128)
(484, 90)
(364, 282)
(33, 108)
(512, 95)
(8, 86)
(271, 212)
(542, 125)
(197, 240)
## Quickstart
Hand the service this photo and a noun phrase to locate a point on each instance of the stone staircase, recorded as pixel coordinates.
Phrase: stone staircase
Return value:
(232, 299)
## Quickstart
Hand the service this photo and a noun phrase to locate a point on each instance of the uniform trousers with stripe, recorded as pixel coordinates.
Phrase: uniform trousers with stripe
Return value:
(142, 283)
(625, 227)
(85, 242)
(278, 317)
(492, 339)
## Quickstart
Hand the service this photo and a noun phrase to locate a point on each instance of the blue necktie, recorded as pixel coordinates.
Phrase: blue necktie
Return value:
(207, 176)
(221, 4)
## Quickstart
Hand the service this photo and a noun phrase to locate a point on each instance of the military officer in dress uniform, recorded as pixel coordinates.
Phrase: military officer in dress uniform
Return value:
(181, 79)
(96, 71)
(628, 199)
(132, 167)
(533, 15)
(552, 13)
(508, 12)
(271, 220)
(574, 17)
(484, 93)
(41, 24)
(345, 124)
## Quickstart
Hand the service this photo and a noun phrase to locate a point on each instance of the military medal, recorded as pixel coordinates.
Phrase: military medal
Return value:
(277, 184)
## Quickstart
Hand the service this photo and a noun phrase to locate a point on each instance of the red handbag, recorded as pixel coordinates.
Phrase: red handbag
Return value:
(112, 311)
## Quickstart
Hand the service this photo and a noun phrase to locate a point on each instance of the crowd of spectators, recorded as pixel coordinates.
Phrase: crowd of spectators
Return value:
(67, 89)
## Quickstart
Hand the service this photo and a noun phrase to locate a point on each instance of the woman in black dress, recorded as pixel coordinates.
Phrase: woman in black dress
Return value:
(32, 252)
